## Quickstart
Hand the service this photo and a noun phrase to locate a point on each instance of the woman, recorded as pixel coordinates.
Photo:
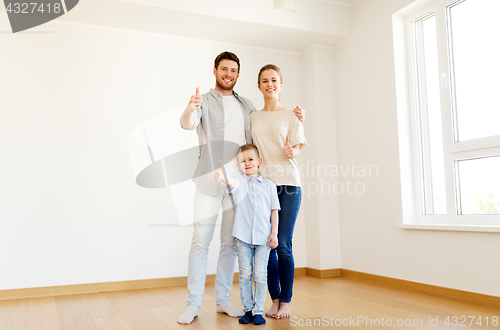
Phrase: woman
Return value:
(279, 135)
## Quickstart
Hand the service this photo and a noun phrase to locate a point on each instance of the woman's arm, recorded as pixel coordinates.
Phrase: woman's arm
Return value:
(296, 151)
(289, 151)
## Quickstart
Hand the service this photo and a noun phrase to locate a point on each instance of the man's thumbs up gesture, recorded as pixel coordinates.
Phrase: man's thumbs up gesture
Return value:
(288, 149)
(195, 101)
(187, 121)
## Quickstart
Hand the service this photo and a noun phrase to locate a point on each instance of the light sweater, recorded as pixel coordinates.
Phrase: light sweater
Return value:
(269, 131)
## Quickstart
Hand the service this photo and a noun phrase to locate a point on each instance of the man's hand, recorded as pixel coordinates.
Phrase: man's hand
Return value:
(300, 113)
(287, 149)
(272, 241)
(187, 121)
(195, 101)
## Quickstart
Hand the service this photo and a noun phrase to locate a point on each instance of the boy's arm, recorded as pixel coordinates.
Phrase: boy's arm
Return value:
(273, 238)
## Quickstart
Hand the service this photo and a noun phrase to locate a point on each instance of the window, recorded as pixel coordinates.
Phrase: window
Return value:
(453, 115)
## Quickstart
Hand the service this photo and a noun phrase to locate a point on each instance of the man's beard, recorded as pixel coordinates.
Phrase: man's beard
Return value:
(225, 87)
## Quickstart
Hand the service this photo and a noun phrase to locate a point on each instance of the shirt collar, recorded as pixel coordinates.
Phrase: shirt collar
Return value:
(218, 94)
(247, 178)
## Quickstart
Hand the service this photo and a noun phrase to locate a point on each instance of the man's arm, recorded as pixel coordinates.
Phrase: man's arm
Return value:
(187, 121)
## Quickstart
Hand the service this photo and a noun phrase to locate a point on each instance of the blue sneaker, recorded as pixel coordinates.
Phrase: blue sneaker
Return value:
(258, 319)
(247, 318)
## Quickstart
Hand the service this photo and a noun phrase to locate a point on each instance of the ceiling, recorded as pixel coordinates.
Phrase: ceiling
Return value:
(254, 23)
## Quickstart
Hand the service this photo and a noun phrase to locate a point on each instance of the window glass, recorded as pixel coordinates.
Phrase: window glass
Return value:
(479, 185)
(475, 61)
(430, 128)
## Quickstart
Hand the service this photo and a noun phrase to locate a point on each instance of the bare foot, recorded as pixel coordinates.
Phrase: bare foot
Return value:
(274, 309)
(285, 311)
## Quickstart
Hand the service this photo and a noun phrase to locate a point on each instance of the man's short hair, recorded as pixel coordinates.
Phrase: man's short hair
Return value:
(249, 146)
(226, 56)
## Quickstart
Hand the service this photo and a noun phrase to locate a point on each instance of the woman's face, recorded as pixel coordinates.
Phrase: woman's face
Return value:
(270, 83)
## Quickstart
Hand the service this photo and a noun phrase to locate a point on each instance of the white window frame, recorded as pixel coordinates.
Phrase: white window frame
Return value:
(408, 132)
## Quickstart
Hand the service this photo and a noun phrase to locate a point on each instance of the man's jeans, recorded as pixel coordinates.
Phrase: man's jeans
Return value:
(206, 209)
(252, 259)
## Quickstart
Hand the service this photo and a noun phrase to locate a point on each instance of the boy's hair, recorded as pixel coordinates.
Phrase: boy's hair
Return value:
(249, 146)
(226, 56)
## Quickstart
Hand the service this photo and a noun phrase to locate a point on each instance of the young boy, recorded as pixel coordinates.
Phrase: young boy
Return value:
(255, 229)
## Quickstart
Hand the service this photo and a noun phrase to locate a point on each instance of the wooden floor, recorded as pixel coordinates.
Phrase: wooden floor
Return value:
(317, 304)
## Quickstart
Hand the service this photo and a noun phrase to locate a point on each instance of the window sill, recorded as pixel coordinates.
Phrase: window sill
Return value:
(468, 228)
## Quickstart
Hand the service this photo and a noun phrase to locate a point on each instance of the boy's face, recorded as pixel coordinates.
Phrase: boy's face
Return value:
(248, 162)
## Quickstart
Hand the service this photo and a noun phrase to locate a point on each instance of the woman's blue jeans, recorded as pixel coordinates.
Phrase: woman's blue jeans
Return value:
(281, 265)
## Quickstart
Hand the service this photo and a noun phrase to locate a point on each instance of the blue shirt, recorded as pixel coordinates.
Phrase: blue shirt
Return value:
(254, 199)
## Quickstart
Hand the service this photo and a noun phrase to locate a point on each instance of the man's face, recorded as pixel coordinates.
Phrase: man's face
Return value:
(226, 75)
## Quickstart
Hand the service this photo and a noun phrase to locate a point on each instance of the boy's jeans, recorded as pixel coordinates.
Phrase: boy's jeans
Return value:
(252, 259)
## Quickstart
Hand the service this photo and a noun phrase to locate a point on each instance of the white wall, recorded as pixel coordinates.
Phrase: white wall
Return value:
(319, 188)
(368, 135)
(70, 211)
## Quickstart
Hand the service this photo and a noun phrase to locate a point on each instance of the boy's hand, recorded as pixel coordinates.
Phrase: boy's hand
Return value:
(300, 113)
(272, 241)
(218, 177)
(287, 149)
(195, 101)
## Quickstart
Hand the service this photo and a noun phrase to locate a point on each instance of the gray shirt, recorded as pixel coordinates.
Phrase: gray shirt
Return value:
(209, 125)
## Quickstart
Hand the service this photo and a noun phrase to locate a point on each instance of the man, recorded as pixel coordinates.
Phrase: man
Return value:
(221, 119)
